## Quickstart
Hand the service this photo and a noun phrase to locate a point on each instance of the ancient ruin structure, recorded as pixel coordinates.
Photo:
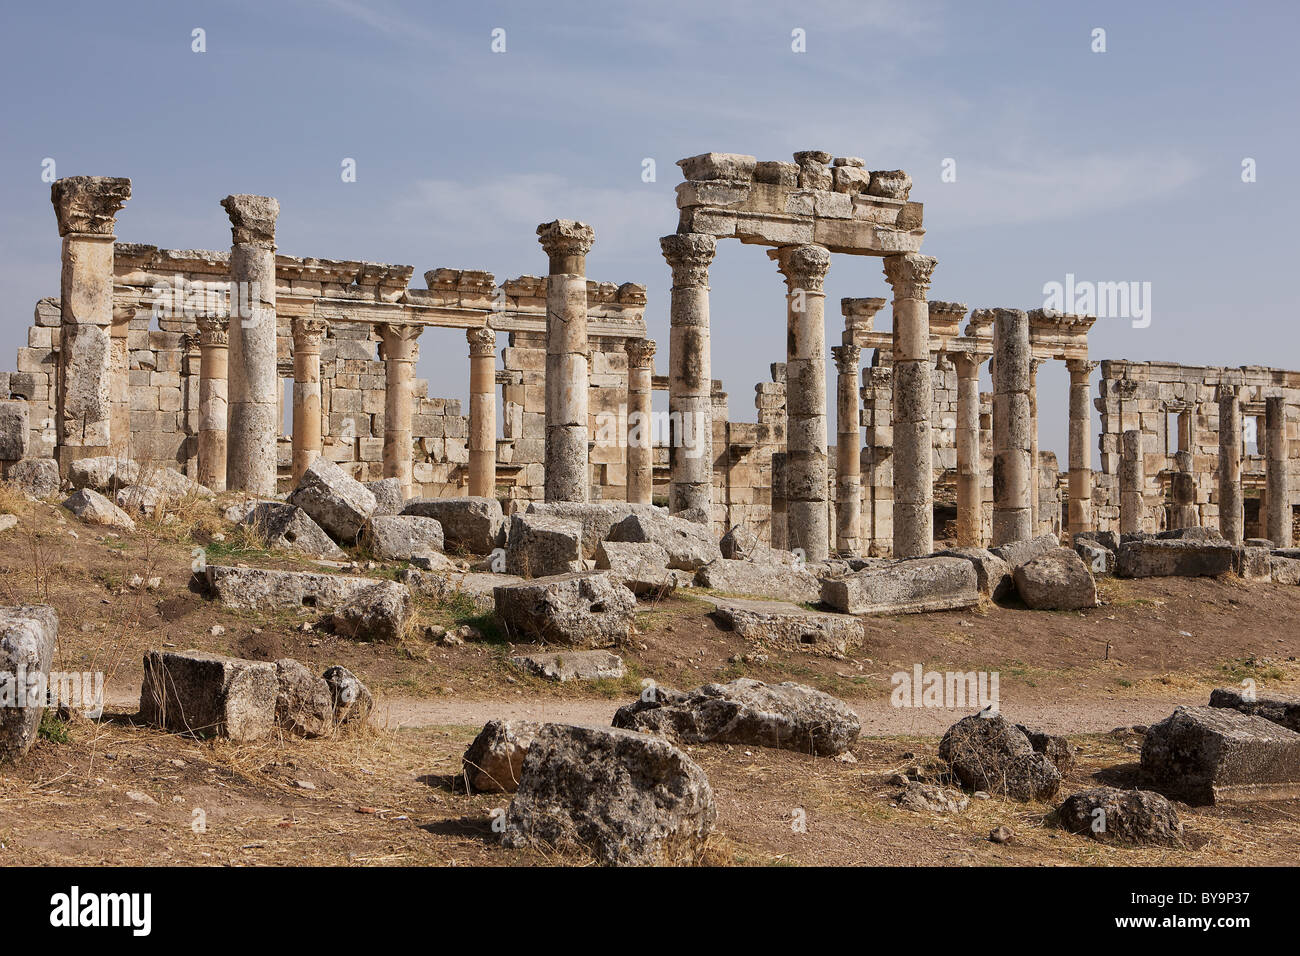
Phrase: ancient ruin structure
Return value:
(180, 358)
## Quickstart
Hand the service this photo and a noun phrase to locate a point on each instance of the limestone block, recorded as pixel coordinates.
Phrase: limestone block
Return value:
(402, 537)
(334, 500)
(201, 694)
(494, 761)
(572, 665)
(790, 627)
(28, 634)
(906, 587)
(476, 525)
(539, 545)
(584, 609)
(1056, 581)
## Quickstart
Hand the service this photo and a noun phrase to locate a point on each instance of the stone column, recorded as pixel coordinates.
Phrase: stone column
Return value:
(1080, 460)
(254, 379)
(848, 451)
(567, 475)
(970, 495)
(1182, 489)
(214, 339)
(909, 277)
(1011, 425)
(1232, 518)
(640, 444)
(119, 386)
(399, 351)
(1278, 500)
(1132, 477)
(482, 412)
(690, 375)
(1035, 469)
(308, 334)
(806, 468)
(778, 532)
(86, 208)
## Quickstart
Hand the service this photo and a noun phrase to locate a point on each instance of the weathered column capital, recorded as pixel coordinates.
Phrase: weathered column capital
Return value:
(863, 310)
(252, 219)
(482, 342)
(909, 275)
(967, 363)
(847, 359)
(88, 205)
(639, 352)
(1034, 363)
(397, 341)
(567, 243)
(309, 333)
(689, 255)
(1080, 369)
(804, 267)
(214, 330)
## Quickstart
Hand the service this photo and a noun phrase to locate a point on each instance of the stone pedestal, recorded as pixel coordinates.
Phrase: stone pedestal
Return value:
(482, 412)
(1132, 479)
(909, 278)
(640, 440)
(308, 334)
(254, 379)
(398, 349)
(1079, 518)
(1012, 444)
(214, 340)
(1278, 499)
(806, 468)
(690, 376)
(848, 451)
(86, 208)
(970, 494)
(1232, 518)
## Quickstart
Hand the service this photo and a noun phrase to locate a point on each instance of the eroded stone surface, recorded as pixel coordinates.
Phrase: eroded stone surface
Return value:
(572, 665)
(541, 544)
(495, 760)
(334, 500)
(202, 694)
(1056, 580)
(586, 609)
(475, 525)
(988, 753)
(690, 546)
(788, 626)
(1129, 817)
(28, 634)
(402, 537)
(906, 587)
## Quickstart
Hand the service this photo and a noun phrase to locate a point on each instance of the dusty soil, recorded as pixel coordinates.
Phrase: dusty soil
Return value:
(116, 792)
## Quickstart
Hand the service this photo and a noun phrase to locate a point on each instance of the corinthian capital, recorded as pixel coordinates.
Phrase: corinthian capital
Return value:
(482, 342)
(804, 267)
(639, 352)
(213, 329)
(309, 333)
(252, 219)
(689, 255)
(567, 243)
(847, 359)
(909, 275)
(88, 205)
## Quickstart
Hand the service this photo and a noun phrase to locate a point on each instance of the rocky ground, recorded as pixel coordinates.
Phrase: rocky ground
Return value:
(115, 791)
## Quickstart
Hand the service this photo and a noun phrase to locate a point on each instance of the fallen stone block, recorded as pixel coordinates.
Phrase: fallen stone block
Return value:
(38, 477)
(789, 627)
(104, 473)
(596, 517)
(1127, 817)
(28, 634)
(986, 752)
(572, 665)
(690, 546)
(774, 581)
(1016, 553)
(451, 585)
(585, 609)
(1174, 557)
(930, 798)
(905, 587)
(402, 537)
(641, 568)
(377, 613)
(1209, 755)
(1056, 580)
(303, 703)
(786, 716)
(992, 575)
(141, 500)
(1054, 747)
(284, 527)
(626, 798)
(540, 545)
(334, 500)
(1105, 539)
(389, 499)
(470, 524)
(1097, 559)
(1279, 708)
(495, 760)
(93, 508)
(268, 590)
(1252, 564)
(205, 695)
(15, 432)
(1283, 570)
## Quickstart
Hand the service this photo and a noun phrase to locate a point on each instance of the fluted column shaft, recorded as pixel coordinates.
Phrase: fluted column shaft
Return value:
(640, 445)
(970, 494)
(482, 412)
(690, 375)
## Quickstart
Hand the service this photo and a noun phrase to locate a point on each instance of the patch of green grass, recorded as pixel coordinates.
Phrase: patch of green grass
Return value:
(53, 729)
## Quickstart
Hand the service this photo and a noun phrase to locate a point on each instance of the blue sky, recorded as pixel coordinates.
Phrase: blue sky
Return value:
(1115, 166)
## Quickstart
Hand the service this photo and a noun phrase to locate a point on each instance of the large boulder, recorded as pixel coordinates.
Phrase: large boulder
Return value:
(93, 508)
(201, 694)
(1056, 580)
(1016, 553)
(283, 527)
(690, 546)
(595, 517)
(1204, 755)
(28, 633)
(495, 759)
(402, 537)
(1054, 747)
(539, 545)
(267, 590)
(1284, 570)
(626, 798)
(334, 499)
(641, 568)
(377, 613)
(38, 477)
(905, 587)
(1279, 708)
(389, 498)
(787, 716)
(760, 579)
(585, 609)
(470, 524)
(1182, 557)
(571, 665)
(987, 752)
(104, 473)
(1128, 817)
(303, 703)
(992, 574)
(789, 627)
